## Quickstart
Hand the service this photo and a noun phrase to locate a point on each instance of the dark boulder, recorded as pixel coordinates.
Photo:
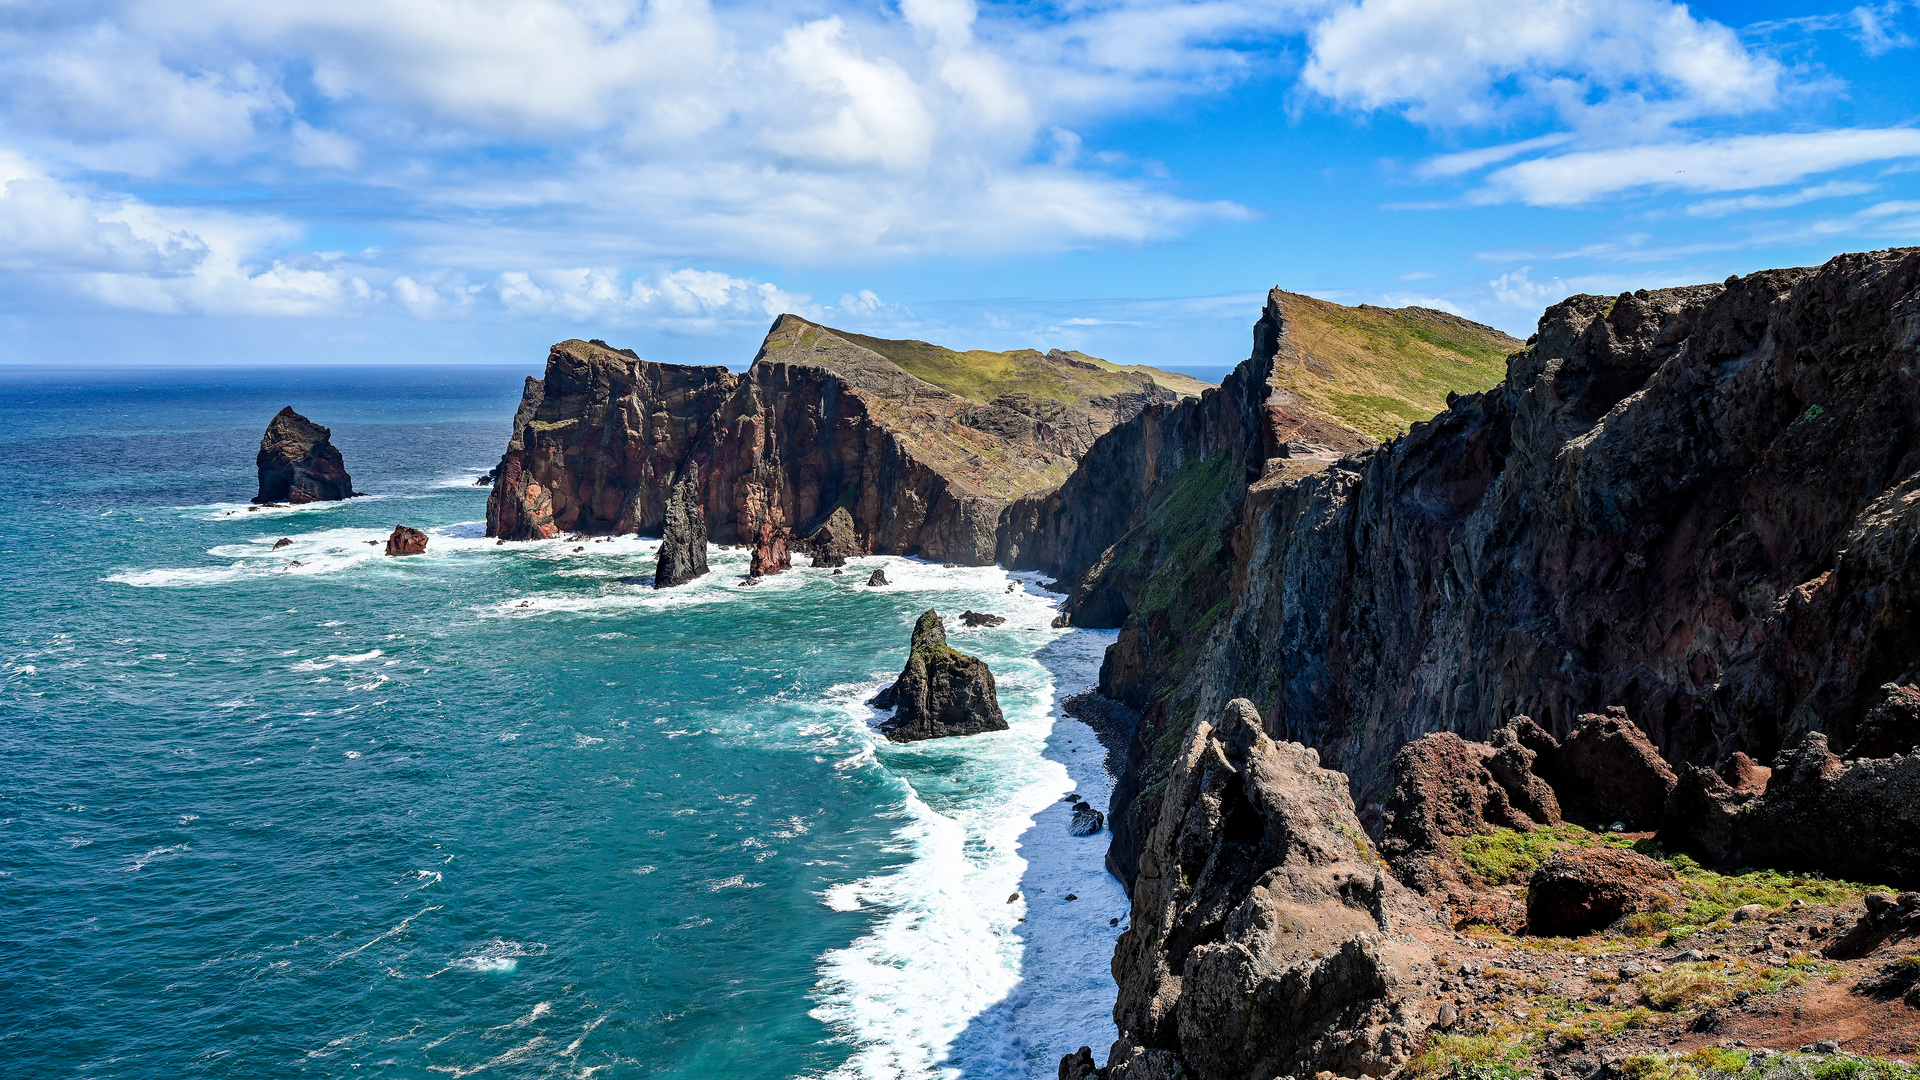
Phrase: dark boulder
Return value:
(282, 542)
(1587, 889)
(1445, 788)
(979, 618)
(298, 463)
(1078, 1065)
(833, 543)
(406, 541)
(683, 538)
(940, 692)
(1086, 820)
(1607, 770)
(879, 577)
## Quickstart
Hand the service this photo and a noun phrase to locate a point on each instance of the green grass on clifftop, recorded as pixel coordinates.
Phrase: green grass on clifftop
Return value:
(1377, 370)
(982, 376)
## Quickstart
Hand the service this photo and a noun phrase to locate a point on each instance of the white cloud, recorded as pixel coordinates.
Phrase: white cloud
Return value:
(1735, 163)
(1832, 189)
(1613, 65)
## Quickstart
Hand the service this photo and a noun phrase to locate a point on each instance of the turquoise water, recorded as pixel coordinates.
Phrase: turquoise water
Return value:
(496, 811)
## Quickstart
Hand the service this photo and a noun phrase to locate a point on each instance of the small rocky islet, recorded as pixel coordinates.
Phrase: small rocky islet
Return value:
(941, 692)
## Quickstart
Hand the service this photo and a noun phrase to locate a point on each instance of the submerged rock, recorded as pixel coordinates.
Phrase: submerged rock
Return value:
(282, 542)
(298, 463)
(879, 577)
(979, 618)
(406, 541)
(683, 538)
(941, 691)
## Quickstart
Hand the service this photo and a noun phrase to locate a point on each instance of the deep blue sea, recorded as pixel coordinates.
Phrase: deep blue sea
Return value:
(494, 811)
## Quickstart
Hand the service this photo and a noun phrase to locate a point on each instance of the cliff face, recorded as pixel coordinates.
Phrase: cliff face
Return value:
(1700, 504)
(817, 422)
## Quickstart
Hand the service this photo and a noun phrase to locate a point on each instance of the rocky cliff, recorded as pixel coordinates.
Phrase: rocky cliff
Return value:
(820, 421)
(298, 463)
(1700, 504)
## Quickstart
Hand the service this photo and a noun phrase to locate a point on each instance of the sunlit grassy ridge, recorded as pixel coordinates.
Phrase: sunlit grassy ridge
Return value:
(1377, 370)
(982, 376)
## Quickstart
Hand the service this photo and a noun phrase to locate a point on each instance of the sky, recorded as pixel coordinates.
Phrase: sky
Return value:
(257, 182)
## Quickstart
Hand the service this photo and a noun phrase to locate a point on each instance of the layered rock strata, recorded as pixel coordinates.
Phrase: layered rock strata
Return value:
(941, 691)
(298, 463)
(682, 556)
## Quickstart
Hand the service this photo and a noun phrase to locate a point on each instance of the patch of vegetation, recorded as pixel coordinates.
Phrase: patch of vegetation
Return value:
(1499, 1054)
(1509, 857)
(1720, 1063)
(981, 375)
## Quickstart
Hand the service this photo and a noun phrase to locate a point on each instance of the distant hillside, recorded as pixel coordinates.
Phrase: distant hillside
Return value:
(1377, 370)
(1063, 376)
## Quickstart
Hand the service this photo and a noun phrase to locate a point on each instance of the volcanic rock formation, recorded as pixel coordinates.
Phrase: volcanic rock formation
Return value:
(405, 540)
(821, 421)
(835, 542)
(1699, 503)
(1267, 938)
(298, 463)
(940, 692)
(683, 536)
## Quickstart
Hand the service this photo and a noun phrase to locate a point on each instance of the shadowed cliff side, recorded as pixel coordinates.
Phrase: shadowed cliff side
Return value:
(1700, 504)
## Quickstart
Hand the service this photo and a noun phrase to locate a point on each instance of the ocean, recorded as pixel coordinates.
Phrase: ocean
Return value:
(496, 811)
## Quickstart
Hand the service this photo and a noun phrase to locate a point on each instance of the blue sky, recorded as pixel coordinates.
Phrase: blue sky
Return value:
(391, 181)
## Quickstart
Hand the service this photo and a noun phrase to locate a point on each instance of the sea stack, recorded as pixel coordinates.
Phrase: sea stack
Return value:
(940, 692)
(683, 537)
(406, 541)
(298, 463)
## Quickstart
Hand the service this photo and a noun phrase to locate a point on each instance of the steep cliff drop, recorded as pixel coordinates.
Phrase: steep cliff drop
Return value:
(922, 447)
(941, 691)
(1698, 504)
(683, 537)
(298, 463)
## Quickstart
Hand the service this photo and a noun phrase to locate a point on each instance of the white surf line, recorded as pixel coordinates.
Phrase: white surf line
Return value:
(404, 923)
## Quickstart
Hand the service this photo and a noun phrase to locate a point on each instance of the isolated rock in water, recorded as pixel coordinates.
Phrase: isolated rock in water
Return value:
(941, 691)
(485, 480)
(1266, 939)
(978, 618)
(1587, 889)
(1078, 1065)
(298, 463)
(683, 538)
(282, 542)
(833, 544)
(879, 577)
(1086, 820)
(770, 555)
(406, 541)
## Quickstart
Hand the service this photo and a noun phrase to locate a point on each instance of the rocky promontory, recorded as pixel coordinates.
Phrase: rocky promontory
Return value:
(921, 447)
(941, 691)
(298, 463)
